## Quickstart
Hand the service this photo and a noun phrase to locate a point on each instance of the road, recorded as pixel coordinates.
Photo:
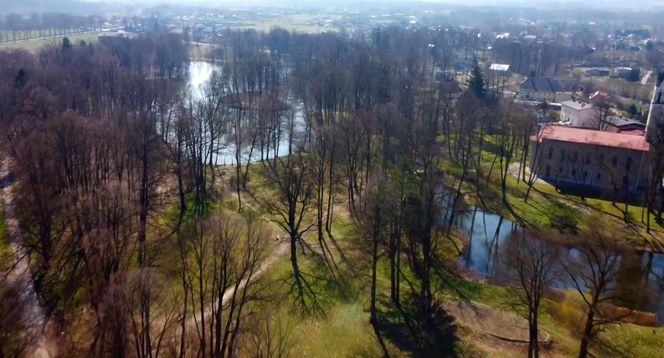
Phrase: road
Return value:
(644, 80)
(21, 277)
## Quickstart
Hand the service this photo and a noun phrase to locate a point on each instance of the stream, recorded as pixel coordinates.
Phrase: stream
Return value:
(640, 279)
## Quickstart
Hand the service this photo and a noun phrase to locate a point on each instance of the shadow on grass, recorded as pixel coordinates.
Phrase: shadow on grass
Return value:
(407, 329)
(314, 291)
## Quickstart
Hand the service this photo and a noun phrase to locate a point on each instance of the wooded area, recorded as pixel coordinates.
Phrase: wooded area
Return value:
(141, 243)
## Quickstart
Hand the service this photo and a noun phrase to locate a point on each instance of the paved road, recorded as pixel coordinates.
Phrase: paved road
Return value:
(644, 80)
(21, 277)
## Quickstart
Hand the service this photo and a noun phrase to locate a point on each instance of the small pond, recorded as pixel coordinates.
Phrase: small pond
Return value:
(640, 277)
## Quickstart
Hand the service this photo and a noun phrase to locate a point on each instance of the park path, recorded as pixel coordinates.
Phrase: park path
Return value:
(42, 345)
(281, 249)
(644, 80)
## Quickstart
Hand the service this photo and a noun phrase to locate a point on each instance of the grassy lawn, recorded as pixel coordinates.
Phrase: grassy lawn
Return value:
(56, 41)
(4, 245)
(300, 23)
(340, 326)
(336, 321)
(558, 214)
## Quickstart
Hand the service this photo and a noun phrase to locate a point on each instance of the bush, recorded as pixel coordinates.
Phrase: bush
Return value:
(568, 313)
(564, 223)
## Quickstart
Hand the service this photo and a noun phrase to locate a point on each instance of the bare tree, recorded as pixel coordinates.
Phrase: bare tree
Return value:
(290, 176)
(593, 271)
(222, 259)
(533, 264)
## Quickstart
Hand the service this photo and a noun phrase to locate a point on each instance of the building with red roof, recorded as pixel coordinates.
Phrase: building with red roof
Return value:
(566, 156)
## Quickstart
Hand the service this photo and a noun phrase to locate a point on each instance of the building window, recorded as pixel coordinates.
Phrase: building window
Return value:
(575, 158)
(547, 172)
(585, 175)
(625, 181)
(550, 156)
(601, 158)
(588, 158)
(562, 155)
(628, 163)
(573, 172)
(598, 176)
(614, 161)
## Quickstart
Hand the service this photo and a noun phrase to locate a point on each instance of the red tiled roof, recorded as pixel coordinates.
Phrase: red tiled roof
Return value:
(593, 137)
(640, 132)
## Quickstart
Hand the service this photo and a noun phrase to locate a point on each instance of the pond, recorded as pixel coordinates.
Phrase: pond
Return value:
(198, 75)
(640, 278)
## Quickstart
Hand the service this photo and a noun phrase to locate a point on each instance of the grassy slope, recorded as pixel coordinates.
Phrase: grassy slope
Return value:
(548, 209)
(341, 328)
(4, 247)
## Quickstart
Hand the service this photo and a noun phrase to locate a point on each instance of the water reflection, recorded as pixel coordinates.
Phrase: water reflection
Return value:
(199, 73)
(640, 281)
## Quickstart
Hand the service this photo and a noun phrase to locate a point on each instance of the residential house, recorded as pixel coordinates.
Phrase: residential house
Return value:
(597, 72)
(542, 89)
(618, 124)
(578, 114)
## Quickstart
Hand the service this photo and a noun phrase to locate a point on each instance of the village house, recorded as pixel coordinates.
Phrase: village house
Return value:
(542, 89)
(597, 72)
(618, 124)
(578, 114)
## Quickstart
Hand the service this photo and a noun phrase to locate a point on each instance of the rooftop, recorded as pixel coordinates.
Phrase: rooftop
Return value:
(576, 105)
(618, 121)
(593, 137)
(499, 67)
(540, 84)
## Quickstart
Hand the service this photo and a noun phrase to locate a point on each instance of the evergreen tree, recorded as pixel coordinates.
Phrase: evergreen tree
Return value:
(476, 82)
(66, 43)
(633, 111)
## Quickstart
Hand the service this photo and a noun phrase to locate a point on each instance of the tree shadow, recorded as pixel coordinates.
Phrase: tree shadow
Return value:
(313, 290)
(407, 329)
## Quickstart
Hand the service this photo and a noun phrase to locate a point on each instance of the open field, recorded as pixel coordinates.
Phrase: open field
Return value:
(38, 43)
(300, 23)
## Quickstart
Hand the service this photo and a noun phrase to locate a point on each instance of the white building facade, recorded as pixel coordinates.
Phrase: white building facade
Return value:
(578, 114)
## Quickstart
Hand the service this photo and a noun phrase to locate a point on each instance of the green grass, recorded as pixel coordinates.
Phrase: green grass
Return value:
(555, 213)
(300, 23)
(636, 341)
(5, 250)
(339, 326)
(56, 41)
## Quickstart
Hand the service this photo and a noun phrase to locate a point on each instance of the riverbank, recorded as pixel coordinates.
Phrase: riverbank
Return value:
(565, 218)
(342, 320)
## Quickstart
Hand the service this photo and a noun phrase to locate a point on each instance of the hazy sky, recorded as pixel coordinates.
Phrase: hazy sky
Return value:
(65, 5)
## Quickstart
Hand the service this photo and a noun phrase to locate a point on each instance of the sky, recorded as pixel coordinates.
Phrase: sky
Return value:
(65, 5)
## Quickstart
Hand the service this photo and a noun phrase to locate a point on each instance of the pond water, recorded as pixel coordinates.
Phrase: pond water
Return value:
(640, 278)
(198, 75)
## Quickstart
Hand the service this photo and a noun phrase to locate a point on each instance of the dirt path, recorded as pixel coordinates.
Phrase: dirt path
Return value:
(277, 252)
(20, 276)
(493, 322)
